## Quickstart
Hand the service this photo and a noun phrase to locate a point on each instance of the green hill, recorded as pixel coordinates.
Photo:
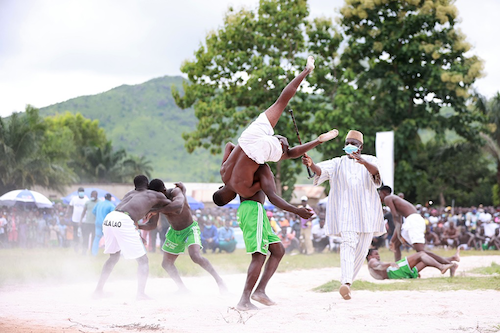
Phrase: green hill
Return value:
(145, 121)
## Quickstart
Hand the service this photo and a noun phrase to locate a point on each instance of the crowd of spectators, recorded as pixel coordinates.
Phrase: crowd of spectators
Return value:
(470, 228)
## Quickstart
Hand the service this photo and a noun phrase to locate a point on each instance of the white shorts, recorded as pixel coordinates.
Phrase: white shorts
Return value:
(120, 234)
(258, 142)
(413, 230)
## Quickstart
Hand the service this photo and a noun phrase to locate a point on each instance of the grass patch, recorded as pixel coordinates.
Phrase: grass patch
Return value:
(493, 269)
(441, 284)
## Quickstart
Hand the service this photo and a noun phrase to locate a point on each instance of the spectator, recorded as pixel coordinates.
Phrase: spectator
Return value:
(450, 236)
(3, 230)
(209, 237)
(288, 237)
(87, 223)
(320, 240)
(495, 241)
(464, 238)
(306, 227)
(75, 208)
(100, 210)
(54, 232)
(226, 237)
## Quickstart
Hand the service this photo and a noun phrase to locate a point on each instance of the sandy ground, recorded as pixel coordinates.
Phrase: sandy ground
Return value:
(70, 308)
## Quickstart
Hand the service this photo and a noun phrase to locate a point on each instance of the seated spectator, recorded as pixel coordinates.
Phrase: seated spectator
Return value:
(431, 238)
(479, 239)
(489, 227)
(319, 238)
(495, 241)
(226, 238)
(450, 236)
(287, 237)
(464, 238)
(439, 231)
(209, 237)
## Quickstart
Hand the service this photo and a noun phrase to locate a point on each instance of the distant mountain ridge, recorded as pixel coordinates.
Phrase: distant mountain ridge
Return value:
(145, 121)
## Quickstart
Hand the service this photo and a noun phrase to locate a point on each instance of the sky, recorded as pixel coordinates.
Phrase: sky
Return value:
(55, 50)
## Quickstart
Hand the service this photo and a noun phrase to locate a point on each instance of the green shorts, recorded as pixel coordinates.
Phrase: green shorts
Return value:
(176, 241)
(403, 272)
(257, 231)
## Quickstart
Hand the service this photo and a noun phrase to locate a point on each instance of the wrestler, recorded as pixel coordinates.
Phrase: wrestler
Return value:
(406, 268)
(412, 231)
(183, 233)
(258, 145)
(122, 237)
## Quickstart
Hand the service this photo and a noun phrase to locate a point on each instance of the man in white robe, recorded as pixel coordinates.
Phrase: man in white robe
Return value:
(353, 210)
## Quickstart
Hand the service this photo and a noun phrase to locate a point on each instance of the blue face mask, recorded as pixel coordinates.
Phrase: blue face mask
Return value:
(81, 194)
(349, 149)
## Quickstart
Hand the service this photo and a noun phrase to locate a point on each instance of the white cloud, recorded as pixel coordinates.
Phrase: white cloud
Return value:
(54, 50)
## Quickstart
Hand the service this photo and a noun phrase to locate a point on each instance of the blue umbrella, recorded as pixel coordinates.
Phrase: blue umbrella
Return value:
(235, 203)
(194, 204)
(88, 190)
(25, 197)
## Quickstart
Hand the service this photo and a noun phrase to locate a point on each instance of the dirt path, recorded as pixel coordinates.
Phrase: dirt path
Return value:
(69, 308)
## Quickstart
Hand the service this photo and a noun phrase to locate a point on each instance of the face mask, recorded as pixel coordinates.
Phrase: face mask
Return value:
(349, 149)
(93, 199)
(81, 194)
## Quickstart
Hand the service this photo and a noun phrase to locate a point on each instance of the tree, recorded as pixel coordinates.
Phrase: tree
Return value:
(492, 137)
(27, 159)
(468, 184)
(405, 60)
(242, 69)
(136, 165)
(80, 135)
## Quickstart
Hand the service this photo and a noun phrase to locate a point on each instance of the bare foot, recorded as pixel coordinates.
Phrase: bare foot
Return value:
(446, 267)
(453, 269)
(456, 256)
(246, 306)
(262, 298)
(328, 136)
(143, 297)
(345, 291)
(310, 64)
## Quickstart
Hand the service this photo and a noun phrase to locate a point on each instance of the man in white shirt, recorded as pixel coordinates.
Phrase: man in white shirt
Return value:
(76, 207)
(354, 210)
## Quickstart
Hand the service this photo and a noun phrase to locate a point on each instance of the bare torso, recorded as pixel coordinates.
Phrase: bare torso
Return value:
(260, 196)
(401, 206)
(242, 181)
(182, 220)
(377, 269)
(138, 203)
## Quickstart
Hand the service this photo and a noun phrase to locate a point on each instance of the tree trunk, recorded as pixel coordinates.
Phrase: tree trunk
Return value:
(441, 199)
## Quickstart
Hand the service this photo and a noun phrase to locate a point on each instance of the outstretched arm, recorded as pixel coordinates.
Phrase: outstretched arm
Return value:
(269, 188)
(300, 150)
(304, 148)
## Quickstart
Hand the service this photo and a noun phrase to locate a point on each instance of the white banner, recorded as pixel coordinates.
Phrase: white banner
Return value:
(384, 148)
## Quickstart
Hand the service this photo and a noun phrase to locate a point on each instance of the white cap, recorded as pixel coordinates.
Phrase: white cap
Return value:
(303, 198)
